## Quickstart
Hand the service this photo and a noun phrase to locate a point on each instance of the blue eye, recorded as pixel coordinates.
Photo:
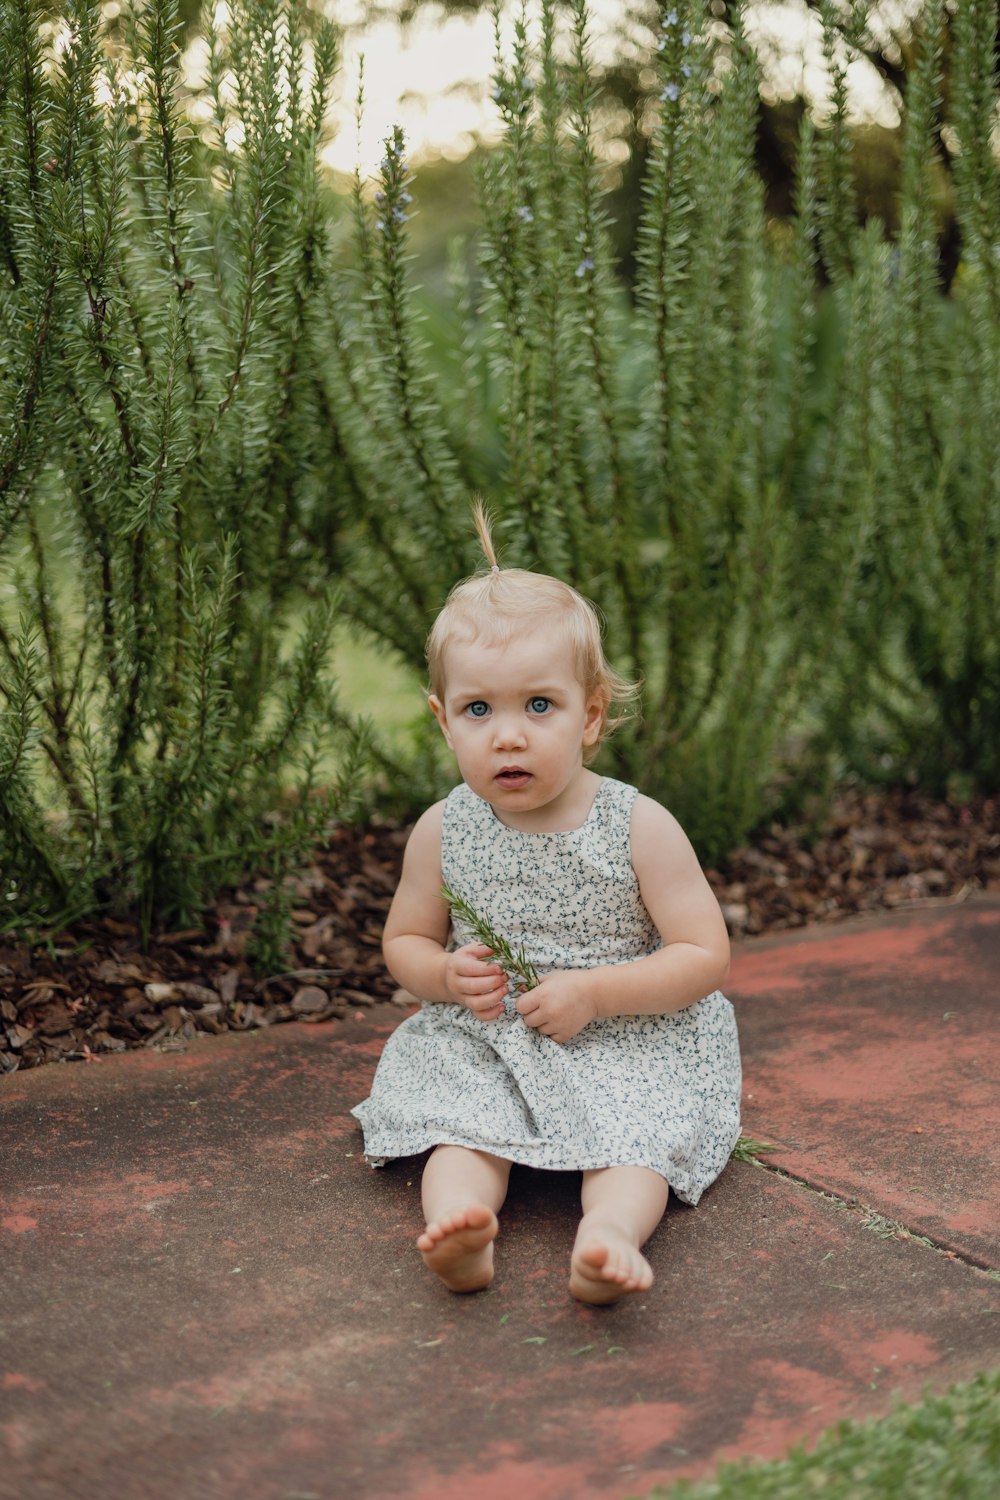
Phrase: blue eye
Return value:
(478, 710)
(539, 705)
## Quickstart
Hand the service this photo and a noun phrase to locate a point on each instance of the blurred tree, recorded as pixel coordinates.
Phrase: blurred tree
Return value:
(884, 36)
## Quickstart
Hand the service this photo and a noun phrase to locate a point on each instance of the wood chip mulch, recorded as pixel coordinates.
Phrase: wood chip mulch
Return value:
(77, 995)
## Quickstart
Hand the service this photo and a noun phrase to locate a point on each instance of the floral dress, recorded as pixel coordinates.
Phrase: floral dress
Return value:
(652, 1091)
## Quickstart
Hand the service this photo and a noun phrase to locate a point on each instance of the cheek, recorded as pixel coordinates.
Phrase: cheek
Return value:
(464, 739)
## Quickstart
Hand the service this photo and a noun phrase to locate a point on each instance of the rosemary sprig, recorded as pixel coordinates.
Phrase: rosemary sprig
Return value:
(514, 961)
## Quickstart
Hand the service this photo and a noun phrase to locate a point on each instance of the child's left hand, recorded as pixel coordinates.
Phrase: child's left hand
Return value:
(560, 1006)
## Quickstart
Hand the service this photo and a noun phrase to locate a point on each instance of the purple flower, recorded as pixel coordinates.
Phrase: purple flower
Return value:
(670, 19)
(525, 215)
(585, 265)
(685, 38)
(685, 70)
(671, 92)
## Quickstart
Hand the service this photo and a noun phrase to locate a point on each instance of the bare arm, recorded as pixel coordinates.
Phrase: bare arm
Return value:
(693, 961)
(416, 933)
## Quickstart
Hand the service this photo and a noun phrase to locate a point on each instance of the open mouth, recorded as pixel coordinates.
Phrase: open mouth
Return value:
(512, 777)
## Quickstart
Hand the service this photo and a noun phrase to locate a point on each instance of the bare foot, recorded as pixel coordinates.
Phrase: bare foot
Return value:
(605, 1266)
(459, 1248)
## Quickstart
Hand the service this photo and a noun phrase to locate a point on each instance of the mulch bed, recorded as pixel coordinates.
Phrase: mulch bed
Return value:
(79, 994)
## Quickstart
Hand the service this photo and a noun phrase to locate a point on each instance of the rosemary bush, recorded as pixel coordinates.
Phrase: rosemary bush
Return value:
(157, 429)
(775, 467)
(650, 453)
(798, 560)
(911, 445)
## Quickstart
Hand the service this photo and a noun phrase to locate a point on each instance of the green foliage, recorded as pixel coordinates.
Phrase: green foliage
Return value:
(747, 1149)
(783, 498)
(518, 967)
(942, 1448)
(163, 693)
(911, 446)
(776, 469)
(947, 564)
(652, 454)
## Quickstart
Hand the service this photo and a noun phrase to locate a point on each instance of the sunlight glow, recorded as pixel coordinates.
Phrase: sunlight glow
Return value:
(788, 37)
(433, 76)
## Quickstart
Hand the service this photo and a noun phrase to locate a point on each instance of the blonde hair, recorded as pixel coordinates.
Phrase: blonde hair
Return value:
(493, 607)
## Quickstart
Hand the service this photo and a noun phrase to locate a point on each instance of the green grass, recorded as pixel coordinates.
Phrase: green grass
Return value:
(943, 1448)
(376, 685)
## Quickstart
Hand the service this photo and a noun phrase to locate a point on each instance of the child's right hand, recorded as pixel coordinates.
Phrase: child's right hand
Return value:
(472, 980)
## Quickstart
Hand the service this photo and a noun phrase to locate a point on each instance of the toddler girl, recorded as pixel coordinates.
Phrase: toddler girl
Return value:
(623, 1061)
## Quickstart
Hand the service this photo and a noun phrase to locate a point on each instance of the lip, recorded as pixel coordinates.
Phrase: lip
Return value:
(513, 777)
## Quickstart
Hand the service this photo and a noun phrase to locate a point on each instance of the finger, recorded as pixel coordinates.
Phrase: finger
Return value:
(486, 999)
(469, 964)
(492, 976)
(489, 984)
(487, 1012)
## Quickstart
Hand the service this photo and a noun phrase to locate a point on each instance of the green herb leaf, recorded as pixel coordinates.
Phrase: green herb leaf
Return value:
(514, 961)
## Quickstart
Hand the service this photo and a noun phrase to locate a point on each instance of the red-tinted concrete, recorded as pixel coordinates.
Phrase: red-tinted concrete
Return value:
(207, 1294)
(872, 1056)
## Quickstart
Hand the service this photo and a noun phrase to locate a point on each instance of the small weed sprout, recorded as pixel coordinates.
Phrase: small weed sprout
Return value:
(748, 1149)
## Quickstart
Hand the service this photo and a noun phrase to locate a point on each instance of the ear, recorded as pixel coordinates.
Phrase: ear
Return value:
(593, 722)
(437, 709)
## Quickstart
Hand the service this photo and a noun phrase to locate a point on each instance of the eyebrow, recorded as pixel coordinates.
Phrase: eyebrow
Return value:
(555, 694)
(541, 690)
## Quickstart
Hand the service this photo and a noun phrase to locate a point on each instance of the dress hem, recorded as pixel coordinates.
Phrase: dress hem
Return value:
(376, 1159)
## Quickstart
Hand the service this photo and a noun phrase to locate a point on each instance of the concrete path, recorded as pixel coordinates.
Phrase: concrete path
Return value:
(206, 1294)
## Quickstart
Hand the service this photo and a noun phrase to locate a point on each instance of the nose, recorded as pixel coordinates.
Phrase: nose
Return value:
(508, 732)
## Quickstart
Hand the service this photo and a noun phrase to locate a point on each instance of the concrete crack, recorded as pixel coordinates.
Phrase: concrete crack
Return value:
(871, 1219)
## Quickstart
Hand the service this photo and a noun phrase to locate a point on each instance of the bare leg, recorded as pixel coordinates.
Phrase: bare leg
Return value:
(462, 1190)
(621, 1208)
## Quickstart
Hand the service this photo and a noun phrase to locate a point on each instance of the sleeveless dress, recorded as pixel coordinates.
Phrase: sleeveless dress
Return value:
(652, 1091)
